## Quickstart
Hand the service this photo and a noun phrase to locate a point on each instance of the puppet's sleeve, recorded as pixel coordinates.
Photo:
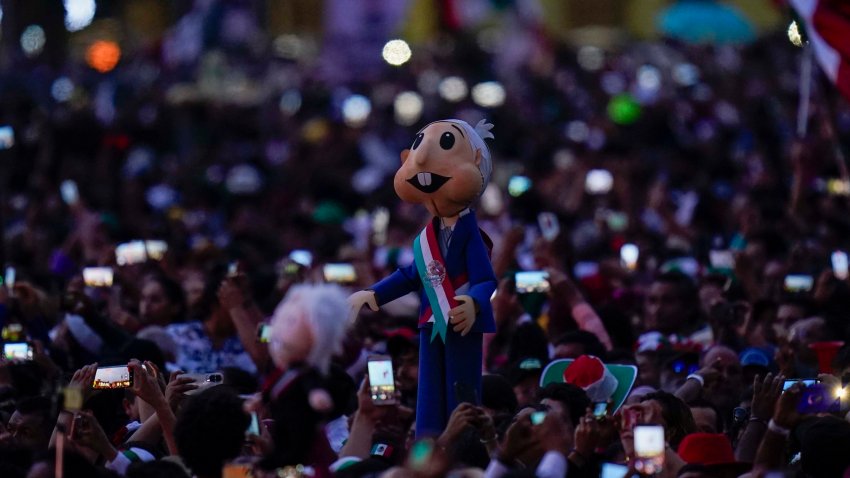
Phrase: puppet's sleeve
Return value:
(482, 282)
(401, 282)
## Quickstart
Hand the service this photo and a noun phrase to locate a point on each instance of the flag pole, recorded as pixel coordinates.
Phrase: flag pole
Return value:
(805, 91)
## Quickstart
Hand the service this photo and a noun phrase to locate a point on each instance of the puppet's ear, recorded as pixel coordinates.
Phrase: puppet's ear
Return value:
(478, 157)
(404, 155)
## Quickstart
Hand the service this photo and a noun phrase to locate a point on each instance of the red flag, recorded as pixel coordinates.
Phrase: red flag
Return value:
(828, 29)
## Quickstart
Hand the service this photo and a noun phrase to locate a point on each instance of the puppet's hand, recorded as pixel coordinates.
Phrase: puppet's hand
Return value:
(357, 300)
(463, 316)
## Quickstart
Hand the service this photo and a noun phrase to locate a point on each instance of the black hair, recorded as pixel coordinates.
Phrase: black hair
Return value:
(575, 399)
(155, 469)
(686, 290)
(38, 405)
(497, 394)
(242, 381)
(589, 340)
(676, 414)
(173, 292)
(719, 422)
(209, 297)
(210, 430)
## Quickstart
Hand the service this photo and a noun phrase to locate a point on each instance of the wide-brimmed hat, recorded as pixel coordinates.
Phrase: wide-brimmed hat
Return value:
(601, 381)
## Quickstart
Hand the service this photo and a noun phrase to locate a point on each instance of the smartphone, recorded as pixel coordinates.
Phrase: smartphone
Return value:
(302, 257)
(204, 381)
(839, 265)
(838, 187)
(264, 333)
(531, 281)
(600, 409)
(130, 253)
(649, 449)
(254, 425)
(518, 185)
(13, 333)
(799, 283)
(549, 226)
(721, 259)
(613, 470)
(420, 454)
(72, 398)
(69, 192)
(817, 398)
(598, 181)
(98, 276)
(465, 393)
(381, 380)
(380, 223)
(9, 277)
(341, 273)
(156, 249)
(807, 382)
(118, 376)
(7, 137)
(629, 254)
(537, 418)
(17, 351)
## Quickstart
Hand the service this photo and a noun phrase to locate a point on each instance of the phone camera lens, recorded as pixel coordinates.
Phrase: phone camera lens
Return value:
(214, 378)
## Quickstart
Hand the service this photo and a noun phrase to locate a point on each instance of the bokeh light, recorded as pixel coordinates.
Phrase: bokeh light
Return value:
(33, 40)
(356, 110)
(453, 89)
(623, 109)
(488, 94)
(103, 55)
(290, 102)
(408, 108)
(591, 58)
(62, 89)
(79, 14)
(396, 52)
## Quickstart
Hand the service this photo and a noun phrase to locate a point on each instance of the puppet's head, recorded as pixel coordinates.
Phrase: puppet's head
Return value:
(447, 167)
(308, 326)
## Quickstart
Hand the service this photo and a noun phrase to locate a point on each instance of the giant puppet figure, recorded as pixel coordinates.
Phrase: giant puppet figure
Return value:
(446, 170)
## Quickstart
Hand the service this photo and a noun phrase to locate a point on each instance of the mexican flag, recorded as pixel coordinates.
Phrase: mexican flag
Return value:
(827, 24)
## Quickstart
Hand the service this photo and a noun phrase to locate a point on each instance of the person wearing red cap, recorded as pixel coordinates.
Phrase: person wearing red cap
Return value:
(709, 455)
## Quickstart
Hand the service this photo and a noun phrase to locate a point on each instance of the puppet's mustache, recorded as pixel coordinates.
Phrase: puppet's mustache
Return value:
(427, 182)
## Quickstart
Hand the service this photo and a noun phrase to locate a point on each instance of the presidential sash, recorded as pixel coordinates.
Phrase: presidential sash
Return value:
(435, 280)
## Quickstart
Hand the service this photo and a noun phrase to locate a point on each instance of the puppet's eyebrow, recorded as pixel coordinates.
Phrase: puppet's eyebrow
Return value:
(459, 130)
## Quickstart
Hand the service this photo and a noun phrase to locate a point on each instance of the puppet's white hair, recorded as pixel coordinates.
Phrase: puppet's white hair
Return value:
(476, 136)
(325, 309)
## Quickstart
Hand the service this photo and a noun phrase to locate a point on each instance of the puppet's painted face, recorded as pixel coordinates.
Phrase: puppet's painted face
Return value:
(440, 171)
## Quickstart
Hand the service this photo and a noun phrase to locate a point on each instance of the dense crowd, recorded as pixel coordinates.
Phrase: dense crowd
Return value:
(683, 228)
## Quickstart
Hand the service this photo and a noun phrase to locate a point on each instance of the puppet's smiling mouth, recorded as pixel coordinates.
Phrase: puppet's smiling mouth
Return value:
(428, 182)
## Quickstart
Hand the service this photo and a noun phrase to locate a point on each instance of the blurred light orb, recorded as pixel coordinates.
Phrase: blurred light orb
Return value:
(408, 107)
(794, 34)
(577, 131)
(428, 82)
(62, 89)
(290, 102)
(289, 46)
(356, 110)
(453, 89)
(623, 109)
(396, 52)
(488, 94)
(591, 58)
(33, 40)
(649, 78)
(79, 14)
(103, 55)
(685, 74)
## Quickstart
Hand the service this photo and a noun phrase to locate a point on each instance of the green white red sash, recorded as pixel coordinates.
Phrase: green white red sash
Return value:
(435, 279)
